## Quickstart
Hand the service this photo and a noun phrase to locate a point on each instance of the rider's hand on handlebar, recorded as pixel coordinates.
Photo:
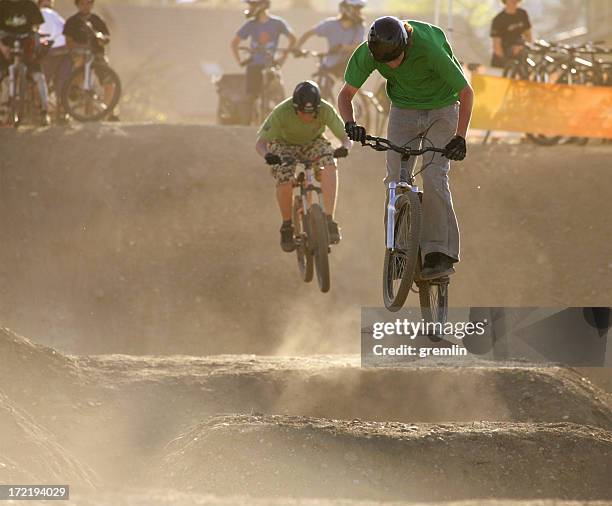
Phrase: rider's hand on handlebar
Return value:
(355, 132)
(272, 159)
(456, 149)
(340, 152)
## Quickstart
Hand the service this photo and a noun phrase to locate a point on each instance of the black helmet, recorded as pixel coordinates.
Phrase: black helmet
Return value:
(387, 39)
(307, 97)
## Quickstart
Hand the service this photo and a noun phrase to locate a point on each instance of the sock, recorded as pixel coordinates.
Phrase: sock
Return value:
(287, 223)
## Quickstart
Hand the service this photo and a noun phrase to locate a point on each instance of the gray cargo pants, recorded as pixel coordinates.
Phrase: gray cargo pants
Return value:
(440, 232)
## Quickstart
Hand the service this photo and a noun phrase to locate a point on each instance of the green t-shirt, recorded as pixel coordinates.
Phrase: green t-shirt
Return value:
(429, 78)
(284, 124)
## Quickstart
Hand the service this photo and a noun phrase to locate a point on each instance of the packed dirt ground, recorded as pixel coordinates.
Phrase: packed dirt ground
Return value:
(155, 240)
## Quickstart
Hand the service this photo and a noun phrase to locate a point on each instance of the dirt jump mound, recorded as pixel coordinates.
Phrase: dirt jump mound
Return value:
(305, 457)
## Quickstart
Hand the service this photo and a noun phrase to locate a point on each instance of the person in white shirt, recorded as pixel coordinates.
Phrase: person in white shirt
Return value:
(57, 65)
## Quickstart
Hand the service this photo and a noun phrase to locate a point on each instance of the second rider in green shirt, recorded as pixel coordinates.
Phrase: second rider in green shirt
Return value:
(294, 131)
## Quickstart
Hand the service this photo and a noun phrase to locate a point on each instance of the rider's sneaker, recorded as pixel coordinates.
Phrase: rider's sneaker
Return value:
(287, 241)
(333, 230)
(63, 119)
(437, 265)
(45, 120)
(113, 117)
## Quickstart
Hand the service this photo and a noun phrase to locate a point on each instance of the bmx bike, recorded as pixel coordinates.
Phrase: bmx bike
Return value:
(310, 223)
(402, 266)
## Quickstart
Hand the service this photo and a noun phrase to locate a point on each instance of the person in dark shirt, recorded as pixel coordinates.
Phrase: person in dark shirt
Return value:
(18, 17)
(78, 33)
(510, 28)
(88, 30)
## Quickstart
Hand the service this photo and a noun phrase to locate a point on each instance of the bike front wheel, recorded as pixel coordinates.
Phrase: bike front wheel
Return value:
(96, 103)
(401, 261)
(318, 236)
(17, 102)
(302, 250)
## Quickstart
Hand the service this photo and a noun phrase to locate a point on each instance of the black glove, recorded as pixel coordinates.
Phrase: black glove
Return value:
(355, 132)
(272, 159)
(340, 152)
(456, 148)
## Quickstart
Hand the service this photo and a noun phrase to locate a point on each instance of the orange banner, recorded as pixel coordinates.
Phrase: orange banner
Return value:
(548, 109)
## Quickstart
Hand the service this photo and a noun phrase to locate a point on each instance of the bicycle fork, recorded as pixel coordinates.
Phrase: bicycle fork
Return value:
(87, 75)
(393, 196)
(309, 186)
(13, 80)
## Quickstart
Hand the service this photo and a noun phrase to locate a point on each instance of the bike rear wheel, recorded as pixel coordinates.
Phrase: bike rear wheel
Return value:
(400, 263)
(318, 237)
(433, 298)
(302, 250)
(91, 105)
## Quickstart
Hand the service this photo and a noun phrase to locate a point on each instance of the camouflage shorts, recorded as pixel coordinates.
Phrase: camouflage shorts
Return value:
(321, 147)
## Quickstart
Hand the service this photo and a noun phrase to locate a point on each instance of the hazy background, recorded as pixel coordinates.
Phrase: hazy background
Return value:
(166, 51)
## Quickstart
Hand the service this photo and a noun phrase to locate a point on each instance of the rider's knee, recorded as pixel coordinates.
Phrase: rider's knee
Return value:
(329, 168)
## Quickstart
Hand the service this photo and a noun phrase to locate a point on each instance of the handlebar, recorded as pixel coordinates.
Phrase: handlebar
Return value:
(260, 50)
(290, 160)
(382, 144)
(593, 47)
(301, 53)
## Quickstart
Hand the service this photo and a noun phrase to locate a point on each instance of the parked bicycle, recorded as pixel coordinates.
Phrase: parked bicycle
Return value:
(93, 89)
(23, 100)
(368, 108)
(560, 64)
(310, 223)
(402, 266)
(272, 88)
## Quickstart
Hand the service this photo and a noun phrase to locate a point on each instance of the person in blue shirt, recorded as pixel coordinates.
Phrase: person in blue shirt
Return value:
(263, 31)
(343, 33)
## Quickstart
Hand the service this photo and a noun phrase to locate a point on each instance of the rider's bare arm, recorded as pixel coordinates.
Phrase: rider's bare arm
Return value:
(497, 47)
(292, 40)
(527, 35)
(304, 38)
(234, 47)
(466, 103)
(261, 146)
(345, 102)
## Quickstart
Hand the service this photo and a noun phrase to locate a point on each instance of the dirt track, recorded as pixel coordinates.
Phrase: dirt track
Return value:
(162, 239)
(403, 434)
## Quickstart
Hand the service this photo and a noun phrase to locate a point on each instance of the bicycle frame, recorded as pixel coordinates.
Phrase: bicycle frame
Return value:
(88, 62)
(406, 178)
(306, 183)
